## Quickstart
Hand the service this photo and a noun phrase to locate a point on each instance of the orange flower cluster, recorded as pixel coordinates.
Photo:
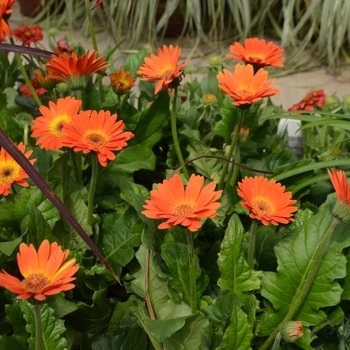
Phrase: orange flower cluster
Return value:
(121, 81)
(5, 11)
(163, 68)
(11, 172)
(61, 125)
(266, 200)
(45, 272)
(28, 34)
(36, 83)
(249, 84)
(312, 99)
(182, 206)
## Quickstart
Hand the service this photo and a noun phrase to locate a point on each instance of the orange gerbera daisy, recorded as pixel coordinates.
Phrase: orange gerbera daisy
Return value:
(257, 53)
(182, 206)
(164, 67)
(75, 70)
(244, 86)
(11, 172)
(121, 81)
(5, 11)
(96, 131)
(44, 271)
(48, 127)
(341, 185)
(266, 200)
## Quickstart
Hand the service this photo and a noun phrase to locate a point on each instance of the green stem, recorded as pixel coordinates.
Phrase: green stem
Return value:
(193, 293)
(238, 159)
(230, 152)
(25, 76)
(77, 170)
(92, 189)
(39, 342)
(94, 44)
(324, 136)
(306, 284)
(174, 134)
(252, 238)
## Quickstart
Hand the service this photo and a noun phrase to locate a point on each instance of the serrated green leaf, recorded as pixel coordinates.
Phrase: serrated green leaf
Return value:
(176, 257)
(189, 336)
(295, 255)
(36, 228)
(221, 309)
(236, 276)
(163, 306)
(206, 166)
(52, 328)
(118, 241)
(13, 209)
(239, 333)
(64, 233)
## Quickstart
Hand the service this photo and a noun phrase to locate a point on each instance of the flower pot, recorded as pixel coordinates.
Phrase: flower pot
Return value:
(30, 8)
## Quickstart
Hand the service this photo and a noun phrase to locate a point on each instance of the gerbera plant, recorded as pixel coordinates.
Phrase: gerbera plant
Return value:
(183, 188)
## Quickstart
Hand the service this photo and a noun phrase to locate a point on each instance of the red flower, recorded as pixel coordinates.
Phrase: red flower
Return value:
(312, 99)
(40, 91)
(28, 34)
(63, 46)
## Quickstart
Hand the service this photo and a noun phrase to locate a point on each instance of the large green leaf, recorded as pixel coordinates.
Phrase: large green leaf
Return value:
(52, 328)
(295, 255)
(118, 241)
(239, 333)
(236, 276)
(176, 257)
(18, 323)
(134, 61)
(189, 336)
(206, 166)
(64, 233)
(163, 306)
(36, 228)
(14, 208)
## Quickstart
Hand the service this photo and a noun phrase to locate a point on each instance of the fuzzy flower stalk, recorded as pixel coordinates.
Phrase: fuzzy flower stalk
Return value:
(185, 207)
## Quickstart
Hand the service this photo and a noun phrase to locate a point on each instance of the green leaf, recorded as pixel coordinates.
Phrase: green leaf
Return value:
(221, 309)
(151, 120)
(189, 336)
(176, 257)
(236, 276)
(134, 62)
(52, 328)
(239, 333)
(295, 255)
(64, 233)
(164, 307)
(8, 247)
(37, 228)
(127, 339)
(14, 208)
(61, 306)
(118, 241)
(15, 316)
(206, 166)
(345, 283)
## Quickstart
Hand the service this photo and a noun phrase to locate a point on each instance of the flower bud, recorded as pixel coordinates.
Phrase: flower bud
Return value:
(292, 331)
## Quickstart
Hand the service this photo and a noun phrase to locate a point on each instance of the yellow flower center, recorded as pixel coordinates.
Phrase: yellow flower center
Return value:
(96, 139)
(183, 210)
(57, 124)
(209, 98)
(35, 282)
(9, 171)
(262, 207)
(28, 34)
(256, 59)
